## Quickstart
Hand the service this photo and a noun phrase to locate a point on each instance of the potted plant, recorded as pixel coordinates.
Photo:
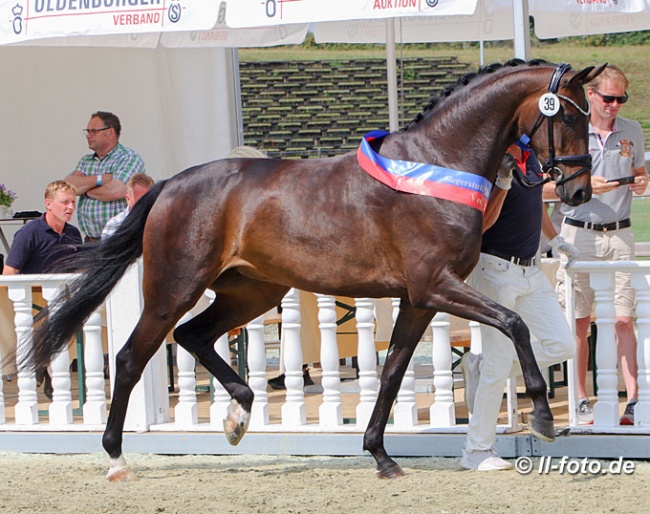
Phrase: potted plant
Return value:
(7, 197)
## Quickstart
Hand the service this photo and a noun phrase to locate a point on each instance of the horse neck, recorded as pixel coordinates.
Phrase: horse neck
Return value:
(471, 129)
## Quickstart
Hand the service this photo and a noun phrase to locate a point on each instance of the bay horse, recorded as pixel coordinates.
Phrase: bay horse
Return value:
(251, 229)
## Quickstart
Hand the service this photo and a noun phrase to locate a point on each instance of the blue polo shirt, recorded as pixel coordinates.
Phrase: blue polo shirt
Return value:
(37, 245)
(519, 225)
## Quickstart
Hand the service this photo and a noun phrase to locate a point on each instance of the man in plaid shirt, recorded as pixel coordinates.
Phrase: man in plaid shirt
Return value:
(100, 177)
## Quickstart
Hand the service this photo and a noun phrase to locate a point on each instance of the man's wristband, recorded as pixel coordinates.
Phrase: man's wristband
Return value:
(99, 180)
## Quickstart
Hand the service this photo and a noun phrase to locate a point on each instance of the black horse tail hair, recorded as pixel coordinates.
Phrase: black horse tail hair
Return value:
(101, 266)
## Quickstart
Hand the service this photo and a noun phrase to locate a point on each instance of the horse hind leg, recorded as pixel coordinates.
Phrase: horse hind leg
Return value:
(239, 300)
(409, 328)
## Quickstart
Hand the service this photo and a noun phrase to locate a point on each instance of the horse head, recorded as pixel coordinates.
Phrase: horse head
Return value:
(564, 147)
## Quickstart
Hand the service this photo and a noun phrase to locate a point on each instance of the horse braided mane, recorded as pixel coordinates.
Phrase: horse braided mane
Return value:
(465, 79)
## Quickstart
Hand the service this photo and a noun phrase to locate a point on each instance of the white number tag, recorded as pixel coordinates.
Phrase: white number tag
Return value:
(549, 104)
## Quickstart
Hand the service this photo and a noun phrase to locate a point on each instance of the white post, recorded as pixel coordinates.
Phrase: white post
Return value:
(405, 411)
(391, 75)
(330, 412)
(186, 410)
(26, 409)
(256, 359)
(521, 29)
(572, 364)
(221, 402)
(641, 283)
(124, 306)
(95, 407)
(367, 359)
(2, 396)
(293, 410)
(442, 412)
(606, 408)
(60, 409)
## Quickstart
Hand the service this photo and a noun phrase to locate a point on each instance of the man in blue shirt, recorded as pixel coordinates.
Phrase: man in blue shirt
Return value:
(44, 240)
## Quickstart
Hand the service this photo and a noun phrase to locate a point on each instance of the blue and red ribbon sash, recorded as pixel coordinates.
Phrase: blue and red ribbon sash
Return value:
(423, 179)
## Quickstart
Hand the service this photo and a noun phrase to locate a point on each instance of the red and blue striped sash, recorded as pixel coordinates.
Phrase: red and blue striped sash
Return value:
(423, 179)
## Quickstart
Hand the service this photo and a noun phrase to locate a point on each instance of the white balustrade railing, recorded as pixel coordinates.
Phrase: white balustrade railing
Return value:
(185, 415)
(606, 408)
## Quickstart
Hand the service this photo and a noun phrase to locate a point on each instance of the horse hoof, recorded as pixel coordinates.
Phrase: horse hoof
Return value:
(541, 428)
(390, 473)
(121, 475)
(236, 423)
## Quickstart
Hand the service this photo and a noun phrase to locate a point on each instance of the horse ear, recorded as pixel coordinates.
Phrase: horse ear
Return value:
(587, 75)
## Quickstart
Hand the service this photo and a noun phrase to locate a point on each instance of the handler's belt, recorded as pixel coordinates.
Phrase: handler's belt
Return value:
(510, 258)
(599, 227)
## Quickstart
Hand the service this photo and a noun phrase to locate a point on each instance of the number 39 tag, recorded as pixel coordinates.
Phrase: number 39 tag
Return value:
(549, 104)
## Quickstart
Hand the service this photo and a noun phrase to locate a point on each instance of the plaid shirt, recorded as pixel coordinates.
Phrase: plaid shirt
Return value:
(122, 162)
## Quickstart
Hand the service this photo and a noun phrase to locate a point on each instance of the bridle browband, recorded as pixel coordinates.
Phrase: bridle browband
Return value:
(552, 162)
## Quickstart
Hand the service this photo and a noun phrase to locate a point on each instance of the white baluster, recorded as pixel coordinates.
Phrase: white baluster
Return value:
(186, 410)
(60, 409)
(94, 410)
(26, 409)
(641, 282)
(367, 359)
(221, 403)
(256, 359)
(330, 411)
(606, 408)
(442, 412)
(405, 411)
(2, 395)
(293, 410)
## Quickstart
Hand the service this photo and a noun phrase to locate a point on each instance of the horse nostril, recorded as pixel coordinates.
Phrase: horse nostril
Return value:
(581, 196)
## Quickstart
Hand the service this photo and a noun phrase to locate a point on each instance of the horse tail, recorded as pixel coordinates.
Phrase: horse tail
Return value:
(101, 266)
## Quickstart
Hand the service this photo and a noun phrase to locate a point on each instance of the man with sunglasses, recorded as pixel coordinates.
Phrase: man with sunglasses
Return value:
(100, 177)
(601, 228)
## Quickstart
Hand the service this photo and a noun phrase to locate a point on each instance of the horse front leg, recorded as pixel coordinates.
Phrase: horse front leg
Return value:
(470, 304)
(409, 327)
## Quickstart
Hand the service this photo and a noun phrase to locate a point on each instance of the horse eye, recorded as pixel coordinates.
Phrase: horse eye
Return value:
(567, 120)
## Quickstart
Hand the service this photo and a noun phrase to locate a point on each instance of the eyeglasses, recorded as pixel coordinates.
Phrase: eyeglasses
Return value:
(609, 99)
(92, 132)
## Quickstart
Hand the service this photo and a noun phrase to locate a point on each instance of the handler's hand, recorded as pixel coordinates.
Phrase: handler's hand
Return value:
(504, 178)
(559, 245)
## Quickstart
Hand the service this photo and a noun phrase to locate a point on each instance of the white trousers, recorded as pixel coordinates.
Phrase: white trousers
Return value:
(527, 291)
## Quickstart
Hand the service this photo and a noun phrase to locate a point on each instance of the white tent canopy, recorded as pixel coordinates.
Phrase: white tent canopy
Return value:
(176, 93)
(176, 107)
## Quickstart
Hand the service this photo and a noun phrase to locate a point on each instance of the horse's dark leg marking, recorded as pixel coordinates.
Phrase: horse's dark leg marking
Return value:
(409, 327)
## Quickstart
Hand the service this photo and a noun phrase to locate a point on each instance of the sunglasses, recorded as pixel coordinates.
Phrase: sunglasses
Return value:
(609, 99)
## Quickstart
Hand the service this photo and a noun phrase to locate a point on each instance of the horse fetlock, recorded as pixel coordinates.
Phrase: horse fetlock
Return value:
(119, 471)
(236, 423)
(390, 471)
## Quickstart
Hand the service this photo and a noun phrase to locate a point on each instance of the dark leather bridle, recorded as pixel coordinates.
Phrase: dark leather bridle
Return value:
(552, 162)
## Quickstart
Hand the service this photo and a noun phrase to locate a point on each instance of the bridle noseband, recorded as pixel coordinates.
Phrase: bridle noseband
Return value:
(552, 162)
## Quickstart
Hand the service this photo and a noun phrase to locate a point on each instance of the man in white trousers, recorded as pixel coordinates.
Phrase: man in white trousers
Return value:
(508, 272)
